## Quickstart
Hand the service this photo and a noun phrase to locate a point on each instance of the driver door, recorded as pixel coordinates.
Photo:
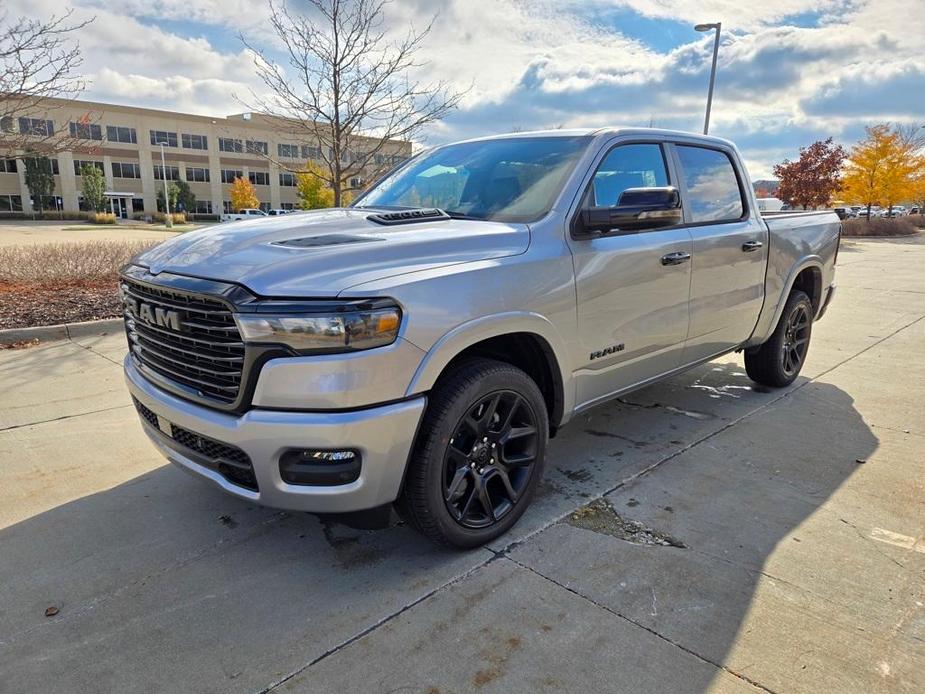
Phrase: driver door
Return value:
(633, 294)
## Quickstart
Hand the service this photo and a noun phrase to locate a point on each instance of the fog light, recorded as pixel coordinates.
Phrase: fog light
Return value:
(325, 468)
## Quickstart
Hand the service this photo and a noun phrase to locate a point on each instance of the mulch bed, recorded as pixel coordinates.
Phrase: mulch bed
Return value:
(27, 305)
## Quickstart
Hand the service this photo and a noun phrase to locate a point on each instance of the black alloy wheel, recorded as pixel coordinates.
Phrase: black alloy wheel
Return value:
(478, 456)
(796, 340)
(489, 459)
(777, 361)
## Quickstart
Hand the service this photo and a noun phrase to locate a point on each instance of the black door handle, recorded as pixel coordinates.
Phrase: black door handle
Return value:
(750, 246)
(676, 258)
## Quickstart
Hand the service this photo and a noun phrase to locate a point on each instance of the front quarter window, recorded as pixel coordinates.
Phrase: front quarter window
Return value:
(508, 179)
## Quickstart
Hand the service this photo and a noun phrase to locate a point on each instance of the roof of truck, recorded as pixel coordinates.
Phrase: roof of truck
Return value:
(609, 130)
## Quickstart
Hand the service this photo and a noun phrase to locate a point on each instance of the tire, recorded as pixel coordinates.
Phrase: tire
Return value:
(475, 464)
(778, 361)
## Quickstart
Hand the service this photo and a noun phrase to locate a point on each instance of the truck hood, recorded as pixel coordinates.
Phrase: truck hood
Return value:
(323, 253)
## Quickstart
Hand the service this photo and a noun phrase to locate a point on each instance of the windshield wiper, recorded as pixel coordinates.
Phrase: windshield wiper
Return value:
(460, 215)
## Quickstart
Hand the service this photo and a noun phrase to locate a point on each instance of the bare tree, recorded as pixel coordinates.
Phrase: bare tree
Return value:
(348, 86)
(38, 60)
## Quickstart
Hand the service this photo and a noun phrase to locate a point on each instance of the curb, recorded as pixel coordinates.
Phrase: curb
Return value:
(65, 331)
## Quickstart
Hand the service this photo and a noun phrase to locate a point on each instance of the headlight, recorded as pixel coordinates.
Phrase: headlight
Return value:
(346, 328)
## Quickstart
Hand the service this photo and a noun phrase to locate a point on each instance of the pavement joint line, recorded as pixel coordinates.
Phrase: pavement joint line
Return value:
(615, 613)
(383, 621)
(93, 351)
(907, 432)
(64, 416)
(890, 291)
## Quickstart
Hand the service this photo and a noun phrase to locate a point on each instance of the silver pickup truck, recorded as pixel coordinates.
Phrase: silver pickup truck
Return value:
(420, 347)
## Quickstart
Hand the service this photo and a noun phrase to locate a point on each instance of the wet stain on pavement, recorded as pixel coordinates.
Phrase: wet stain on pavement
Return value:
(580, 475)
(611, 435)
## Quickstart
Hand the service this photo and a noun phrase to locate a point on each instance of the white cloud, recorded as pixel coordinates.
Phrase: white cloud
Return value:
(545, 63)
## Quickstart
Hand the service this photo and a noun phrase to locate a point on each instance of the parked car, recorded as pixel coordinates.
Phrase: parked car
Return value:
(247, 213)
(276, 212)
(844, 212)
(915, 210)
(769, 204)
(390, 353)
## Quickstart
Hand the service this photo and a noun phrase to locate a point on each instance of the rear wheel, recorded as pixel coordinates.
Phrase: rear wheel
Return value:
(478, 456)
(778, 361)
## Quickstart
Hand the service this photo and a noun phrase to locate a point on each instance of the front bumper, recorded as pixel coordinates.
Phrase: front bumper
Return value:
(383, 435)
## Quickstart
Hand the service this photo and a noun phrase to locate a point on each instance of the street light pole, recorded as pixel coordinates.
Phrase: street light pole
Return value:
(708, 27)
(168, 222)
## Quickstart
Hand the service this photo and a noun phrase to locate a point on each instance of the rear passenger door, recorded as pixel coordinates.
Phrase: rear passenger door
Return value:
(730, 250)
(632, 304)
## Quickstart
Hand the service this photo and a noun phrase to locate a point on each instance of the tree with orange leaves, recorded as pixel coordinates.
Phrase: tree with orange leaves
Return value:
(243, 195)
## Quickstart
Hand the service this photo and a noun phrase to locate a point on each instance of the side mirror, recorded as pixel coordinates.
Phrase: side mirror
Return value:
(637, 209)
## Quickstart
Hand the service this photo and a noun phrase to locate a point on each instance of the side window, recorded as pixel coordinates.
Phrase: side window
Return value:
(628, 166)
(713, 193)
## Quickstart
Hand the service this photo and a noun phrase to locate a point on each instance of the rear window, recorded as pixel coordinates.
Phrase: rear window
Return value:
(713, 193)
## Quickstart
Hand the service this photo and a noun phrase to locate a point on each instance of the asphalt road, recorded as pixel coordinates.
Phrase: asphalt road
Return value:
(704, 534)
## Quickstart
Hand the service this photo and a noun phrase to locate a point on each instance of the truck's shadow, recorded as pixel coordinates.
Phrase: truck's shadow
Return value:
(164, 583)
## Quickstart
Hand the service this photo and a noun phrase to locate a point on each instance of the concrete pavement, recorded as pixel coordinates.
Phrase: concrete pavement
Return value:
(788, 565)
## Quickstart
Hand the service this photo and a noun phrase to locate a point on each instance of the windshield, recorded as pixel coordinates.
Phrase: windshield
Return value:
(505, 180)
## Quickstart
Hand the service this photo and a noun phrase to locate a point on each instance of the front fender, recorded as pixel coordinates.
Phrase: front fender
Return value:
(472, 332)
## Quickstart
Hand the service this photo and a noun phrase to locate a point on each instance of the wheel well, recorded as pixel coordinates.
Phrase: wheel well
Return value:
(530, 353)
(809, 281)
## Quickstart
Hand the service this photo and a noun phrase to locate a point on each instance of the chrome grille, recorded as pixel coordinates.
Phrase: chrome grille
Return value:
(205, 355)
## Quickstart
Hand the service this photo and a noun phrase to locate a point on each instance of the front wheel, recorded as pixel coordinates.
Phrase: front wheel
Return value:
(778, 361)
(478, 456)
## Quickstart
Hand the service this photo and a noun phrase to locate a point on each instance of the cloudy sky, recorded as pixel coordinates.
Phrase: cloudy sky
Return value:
(790, 71)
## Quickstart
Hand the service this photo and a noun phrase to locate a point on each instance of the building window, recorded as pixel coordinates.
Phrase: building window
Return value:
(287, 206)
(6, 124)
(173, 173)
(197, 174)
(138, 205)
(8, 166)
(226, 207)
(195, 141)
(356, 182)
(10, 203)
(228, 175)
(257, 147)
(203, 207)
(309, 152)
(50, 202)
(259, 178)
(52, 163)
(86, 131)
(119, 134)
(36, 126)
(80, 163)
(126, 170)
(288, 151)
(287, 179)
(265, 206)
(229, 144)
(168, 138)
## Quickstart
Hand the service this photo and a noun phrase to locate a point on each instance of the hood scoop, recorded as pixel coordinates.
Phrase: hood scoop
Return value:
(325, 240)
(431, 214)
